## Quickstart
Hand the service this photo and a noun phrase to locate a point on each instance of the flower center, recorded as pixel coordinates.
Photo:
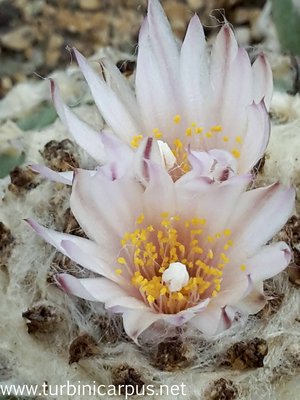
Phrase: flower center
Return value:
(197, 138)
(175, 263)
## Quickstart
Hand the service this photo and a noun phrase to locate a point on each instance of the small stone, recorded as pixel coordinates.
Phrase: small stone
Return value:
(172, 354)
(83, 346)
(42, 318)
(59, 155)
(89, 5)
(221, 389)
(19, 39)
(22, 180)
(195, 4)
(124, 375)
(244, 355)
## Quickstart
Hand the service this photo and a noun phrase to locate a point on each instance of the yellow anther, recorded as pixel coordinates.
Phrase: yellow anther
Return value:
(188, 132)
(224, 258)
(135, 142)
(236, 153)
(150, 299)
(208, 134)
(178, 143)
(157, 133)
(210, 254)
(216, 128)
(210, 239)
(163, 291)
(226, 246)
(198, 130)
(118, 271)
(239, 139)
(164, 215)
(140, 219)
(180, 296)
(225, 138)
(121, 260)
(177, 119)
(243, 267)
(214, 293)
(227, 232)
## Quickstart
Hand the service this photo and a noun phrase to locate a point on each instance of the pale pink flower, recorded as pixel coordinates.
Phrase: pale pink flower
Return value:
(190, 102)
(184, 251)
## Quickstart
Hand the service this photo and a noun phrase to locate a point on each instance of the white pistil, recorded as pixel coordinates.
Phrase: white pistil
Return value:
(176, 276)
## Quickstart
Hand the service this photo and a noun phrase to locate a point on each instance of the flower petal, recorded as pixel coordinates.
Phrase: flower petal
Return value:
(253, 302)
(92, 289)
(121, 87)
(262, 81)
(105, 209)
(160, 182)
(154, 92)
(136, 322)
(194, 70)
(219, 200)
(86, 136)
(259, 216)
(82, 251)
(111, 107)
(163, 42)
(211, 321)
(269, 261)
(60, 177)
(256, 137)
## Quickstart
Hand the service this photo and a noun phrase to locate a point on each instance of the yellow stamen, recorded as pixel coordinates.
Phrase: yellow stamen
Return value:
(177, 119)
(135, 142)
(236, 153)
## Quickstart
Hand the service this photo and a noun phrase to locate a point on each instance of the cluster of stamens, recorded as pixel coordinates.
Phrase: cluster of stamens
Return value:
(195, 135)
(149, 250)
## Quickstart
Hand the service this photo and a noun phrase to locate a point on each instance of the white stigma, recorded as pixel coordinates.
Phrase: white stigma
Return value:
(176, 276)
(166, 154)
